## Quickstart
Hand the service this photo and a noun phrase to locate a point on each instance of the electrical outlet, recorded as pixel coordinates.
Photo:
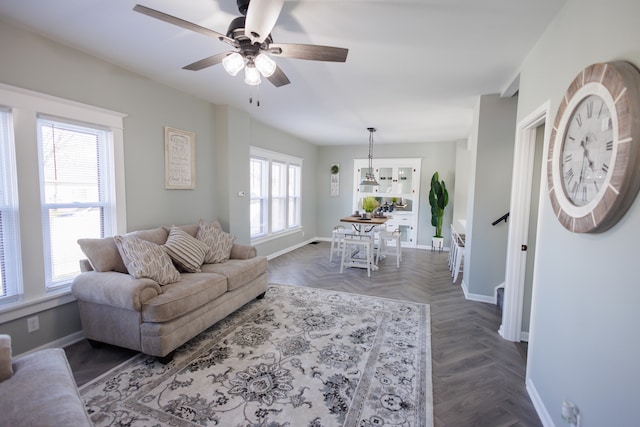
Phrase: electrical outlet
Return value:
(33, 324)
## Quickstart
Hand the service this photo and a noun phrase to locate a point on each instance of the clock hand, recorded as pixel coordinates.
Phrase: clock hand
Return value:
(584, 157)
(586, 152)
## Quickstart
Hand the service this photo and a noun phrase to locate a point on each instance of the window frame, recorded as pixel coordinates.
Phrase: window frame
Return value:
(284, 162)
(26, 106)
(105, 203)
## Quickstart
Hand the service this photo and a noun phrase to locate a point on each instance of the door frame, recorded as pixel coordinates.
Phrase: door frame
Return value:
(521, 193)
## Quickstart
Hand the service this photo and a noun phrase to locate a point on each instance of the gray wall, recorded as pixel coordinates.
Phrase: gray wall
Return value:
(492, 148)
(584, 327)
(436, 156)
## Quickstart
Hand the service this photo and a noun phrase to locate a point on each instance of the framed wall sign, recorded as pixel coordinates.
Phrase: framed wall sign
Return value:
(179, 159)
(335, 180)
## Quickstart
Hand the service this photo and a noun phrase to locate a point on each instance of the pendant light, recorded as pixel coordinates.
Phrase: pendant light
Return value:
(369, 178)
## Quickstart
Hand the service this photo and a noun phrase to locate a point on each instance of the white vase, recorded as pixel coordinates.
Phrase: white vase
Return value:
(437, 244)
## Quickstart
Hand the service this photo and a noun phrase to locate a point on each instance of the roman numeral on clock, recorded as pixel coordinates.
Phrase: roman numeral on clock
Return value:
(568, 175)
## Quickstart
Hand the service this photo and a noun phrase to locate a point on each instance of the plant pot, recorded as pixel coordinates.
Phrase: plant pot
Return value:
(437, 244)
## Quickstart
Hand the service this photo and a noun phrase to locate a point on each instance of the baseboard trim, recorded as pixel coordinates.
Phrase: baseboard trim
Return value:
(59, 343)
(475, 297)
(291, 248)
(543, 414)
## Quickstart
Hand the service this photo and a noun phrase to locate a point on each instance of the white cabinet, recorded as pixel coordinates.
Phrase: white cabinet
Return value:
(399, 187)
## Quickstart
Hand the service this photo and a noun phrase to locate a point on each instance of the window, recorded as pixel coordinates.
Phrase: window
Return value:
(68, 158)
(276, 201)
(10, 261)
(75, 194)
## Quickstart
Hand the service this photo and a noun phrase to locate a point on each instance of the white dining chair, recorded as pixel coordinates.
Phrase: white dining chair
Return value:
(337, 236)
(357, 244)
(384, 237)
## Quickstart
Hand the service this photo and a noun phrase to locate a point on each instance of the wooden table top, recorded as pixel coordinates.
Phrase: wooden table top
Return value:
(370, 221)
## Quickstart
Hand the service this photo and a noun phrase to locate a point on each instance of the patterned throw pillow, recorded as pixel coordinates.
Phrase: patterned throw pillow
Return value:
(218, 242)
(186, 251)
(146, 259)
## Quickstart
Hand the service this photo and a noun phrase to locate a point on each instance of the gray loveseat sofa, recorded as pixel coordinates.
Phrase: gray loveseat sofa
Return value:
(130, 293)
(38, 389)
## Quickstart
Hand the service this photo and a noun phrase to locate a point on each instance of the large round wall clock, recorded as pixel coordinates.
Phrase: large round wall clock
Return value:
(594, 152)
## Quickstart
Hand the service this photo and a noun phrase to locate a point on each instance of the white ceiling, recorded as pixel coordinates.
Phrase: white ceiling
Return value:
(414, 69)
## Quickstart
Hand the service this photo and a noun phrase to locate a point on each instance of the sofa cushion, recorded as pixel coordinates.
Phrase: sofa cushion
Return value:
(186, 251)
(219, 243)
(238, 271)
(146, 259)
(192, 291)
(103, 254)
(5, 358)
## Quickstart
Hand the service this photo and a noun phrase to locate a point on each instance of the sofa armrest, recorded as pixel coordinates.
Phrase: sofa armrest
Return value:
(42, 391)
(240, 251)
(114, 289)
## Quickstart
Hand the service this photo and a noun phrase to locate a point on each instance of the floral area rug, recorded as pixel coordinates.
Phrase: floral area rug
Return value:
(300, 357)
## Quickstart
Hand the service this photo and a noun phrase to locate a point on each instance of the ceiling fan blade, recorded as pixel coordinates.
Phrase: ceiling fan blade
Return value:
(182, 23)
(278, 78)
(309, 51)
(261, 17)
(207, 62)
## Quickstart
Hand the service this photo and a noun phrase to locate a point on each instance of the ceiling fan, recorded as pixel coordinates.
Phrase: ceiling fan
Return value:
(250, 35)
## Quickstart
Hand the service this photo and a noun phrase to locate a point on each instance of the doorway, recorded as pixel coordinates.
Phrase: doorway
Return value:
(525, 195)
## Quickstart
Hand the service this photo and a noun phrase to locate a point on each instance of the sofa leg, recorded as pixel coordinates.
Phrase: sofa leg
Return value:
(261, 295)
(166, 359)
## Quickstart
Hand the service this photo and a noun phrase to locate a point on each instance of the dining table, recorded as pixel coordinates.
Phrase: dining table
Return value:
(359, 223)
(364, 226)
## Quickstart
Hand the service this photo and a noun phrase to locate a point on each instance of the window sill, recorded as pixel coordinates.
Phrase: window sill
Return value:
(275, 236)
(21, 308)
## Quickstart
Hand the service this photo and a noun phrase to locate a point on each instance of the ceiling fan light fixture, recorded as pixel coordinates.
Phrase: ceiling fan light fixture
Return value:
(251, 75)
(233, 63)
(265, 65)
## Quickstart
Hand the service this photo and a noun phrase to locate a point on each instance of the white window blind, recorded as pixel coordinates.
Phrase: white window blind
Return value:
(10, 260)
(294, 194)
(76, 196)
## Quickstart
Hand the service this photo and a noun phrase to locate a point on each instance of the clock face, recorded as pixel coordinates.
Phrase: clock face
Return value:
(586, 151)
(594, 149)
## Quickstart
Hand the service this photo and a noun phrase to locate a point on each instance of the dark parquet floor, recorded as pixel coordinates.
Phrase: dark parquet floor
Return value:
(478, 378)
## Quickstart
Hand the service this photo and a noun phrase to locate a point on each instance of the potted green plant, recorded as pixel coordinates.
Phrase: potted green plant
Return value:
(438, 199)
(369, 204)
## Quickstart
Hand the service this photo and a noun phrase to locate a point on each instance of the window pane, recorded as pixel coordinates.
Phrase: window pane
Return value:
(74, 170)
(256, 220)
(66, 226)
(278, 177)
(10, 259)
(293, 217)
(70, 164)
(278, 212)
